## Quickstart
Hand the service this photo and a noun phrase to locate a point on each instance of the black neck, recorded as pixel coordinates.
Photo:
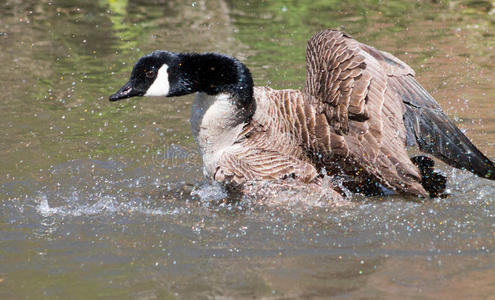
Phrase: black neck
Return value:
(213, 73)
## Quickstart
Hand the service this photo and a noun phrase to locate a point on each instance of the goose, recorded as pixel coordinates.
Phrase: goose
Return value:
(359, 111)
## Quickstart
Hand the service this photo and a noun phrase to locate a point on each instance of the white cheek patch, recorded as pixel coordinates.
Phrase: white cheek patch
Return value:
(161, 86)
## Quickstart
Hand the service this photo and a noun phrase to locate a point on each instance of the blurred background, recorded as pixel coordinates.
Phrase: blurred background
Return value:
(106, 200)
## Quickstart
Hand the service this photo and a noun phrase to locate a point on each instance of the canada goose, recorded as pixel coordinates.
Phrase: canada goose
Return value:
(359, 110)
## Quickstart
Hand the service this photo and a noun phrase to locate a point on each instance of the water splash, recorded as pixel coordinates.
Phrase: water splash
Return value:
(105, 205)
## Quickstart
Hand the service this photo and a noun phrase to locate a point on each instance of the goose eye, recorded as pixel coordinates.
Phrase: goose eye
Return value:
(150, 74)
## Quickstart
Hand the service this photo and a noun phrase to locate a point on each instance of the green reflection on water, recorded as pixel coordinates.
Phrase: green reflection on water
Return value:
(281, 28)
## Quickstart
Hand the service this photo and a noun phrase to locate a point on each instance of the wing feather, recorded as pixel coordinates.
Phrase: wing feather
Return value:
(371, 100)
(347, 83)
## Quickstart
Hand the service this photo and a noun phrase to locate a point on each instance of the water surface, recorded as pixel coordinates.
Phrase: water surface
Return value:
(107, 200)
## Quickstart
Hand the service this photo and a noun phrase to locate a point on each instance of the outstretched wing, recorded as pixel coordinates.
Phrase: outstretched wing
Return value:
(371, 100)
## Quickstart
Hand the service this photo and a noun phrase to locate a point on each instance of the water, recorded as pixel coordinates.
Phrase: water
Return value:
(107, 200)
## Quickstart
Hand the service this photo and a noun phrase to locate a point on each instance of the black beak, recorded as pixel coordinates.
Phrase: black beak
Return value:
(127, 91)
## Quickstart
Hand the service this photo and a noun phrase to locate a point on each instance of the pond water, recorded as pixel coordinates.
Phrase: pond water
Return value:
(107, 200)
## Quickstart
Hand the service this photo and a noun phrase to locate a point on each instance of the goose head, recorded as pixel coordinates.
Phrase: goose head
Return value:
(151, 76)
(169, 74)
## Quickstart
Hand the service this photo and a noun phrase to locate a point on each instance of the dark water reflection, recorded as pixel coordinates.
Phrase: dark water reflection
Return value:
(107, 200)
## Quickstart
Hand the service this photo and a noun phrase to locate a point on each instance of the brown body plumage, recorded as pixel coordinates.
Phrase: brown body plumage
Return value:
(290, 137)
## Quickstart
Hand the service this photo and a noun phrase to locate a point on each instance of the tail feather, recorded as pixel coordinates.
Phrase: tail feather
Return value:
(437, 135)
(429, 128)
